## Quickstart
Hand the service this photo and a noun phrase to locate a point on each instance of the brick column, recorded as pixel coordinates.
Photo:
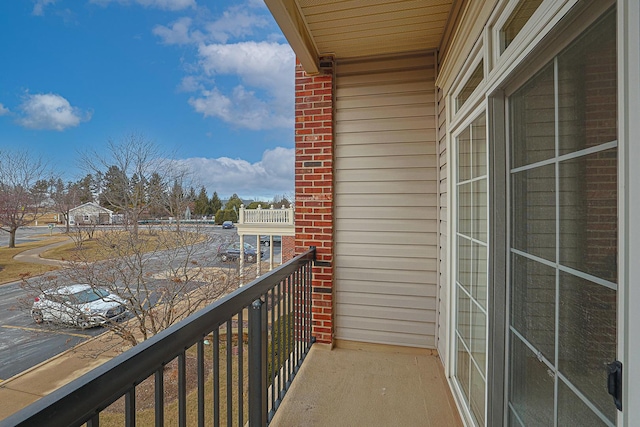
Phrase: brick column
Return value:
(314, 187)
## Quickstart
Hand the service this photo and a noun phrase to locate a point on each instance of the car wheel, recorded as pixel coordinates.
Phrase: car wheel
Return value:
(83, 323)
(37, 316)
(224, 258)
(251, 258)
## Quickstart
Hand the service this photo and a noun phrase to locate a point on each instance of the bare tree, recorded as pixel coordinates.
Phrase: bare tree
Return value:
(163, 276)
(20, 199)
(130, 163)
(65, 198)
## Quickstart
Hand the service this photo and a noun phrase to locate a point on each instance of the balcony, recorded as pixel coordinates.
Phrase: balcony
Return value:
(266, 222)
(369, 385)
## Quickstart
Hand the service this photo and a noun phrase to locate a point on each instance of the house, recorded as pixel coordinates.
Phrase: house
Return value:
(465, 171)
(90, 213)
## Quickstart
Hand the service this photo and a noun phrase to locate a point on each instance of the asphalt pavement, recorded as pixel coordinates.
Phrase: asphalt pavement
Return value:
(24, 344)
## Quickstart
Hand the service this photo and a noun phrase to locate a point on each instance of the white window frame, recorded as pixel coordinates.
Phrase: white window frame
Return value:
(472, 115)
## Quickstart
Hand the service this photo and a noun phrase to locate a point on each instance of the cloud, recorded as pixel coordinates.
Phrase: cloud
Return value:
(178, 33)
(50, 111)
(235, 22)
(38, 7)
(263, 99)
(3, 110)
(272, 175)
(156, 4)
(249, 84)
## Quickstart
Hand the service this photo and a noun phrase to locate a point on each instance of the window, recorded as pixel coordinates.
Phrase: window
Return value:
(471, 264)
(518, 18)
(474, 80)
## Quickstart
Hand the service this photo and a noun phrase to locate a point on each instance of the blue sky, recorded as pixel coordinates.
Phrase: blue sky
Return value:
(209, 81)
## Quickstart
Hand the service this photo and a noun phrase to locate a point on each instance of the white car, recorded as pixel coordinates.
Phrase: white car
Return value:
(79, 305)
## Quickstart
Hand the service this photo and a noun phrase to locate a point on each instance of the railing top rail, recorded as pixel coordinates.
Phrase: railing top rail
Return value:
(76, 402)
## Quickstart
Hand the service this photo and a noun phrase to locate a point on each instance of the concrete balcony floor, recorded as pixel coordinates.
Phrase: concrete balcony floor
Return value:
(368, 385)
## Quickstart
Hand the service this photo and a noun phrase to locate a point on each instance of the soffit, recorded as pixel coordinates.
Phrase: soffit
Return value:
(357, 28)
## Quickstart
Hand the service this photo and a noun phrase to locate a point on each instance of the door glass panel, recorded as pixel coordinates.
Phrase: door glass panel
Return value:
(464, 155)
(465, 208)
(533, 114)
(464, 273)
(533, 299)
(531, 386)
(573, 412)
(479, 279)
(479, 131)
(587, 339)
(462, 369)
(480, 210)
(471, 268)
(563, 224)
(588, 71)
(589, 214)
(533, 211)
(477, 402)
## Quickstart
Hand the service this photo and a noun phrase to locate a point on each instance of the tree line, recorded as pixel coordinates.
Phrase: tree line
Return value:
(130, 177)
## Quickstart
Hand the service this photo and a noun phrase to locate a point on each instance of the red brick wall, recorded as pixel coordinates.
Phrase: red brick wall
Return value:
(288, 248)
(314, 187)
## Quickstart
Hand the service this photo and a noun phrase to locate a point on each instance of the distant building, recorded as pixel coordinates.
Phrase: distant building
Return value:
(90, 213)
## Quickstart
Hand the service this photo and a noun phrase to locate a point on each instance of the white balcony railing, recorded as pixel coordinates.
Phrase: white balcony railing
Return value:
(283, 216)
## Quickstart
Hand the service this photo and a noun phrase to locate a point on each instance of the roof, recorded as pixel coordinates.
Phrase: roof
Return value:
(91, 204)
(360, 28)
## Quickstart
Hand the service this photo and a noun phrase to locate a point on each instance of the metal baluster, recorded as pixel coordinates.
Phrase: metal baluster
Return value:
(182, 389)
(130, 408)
(216, 377)
(159, 396)
(240, 370)
(200, 350)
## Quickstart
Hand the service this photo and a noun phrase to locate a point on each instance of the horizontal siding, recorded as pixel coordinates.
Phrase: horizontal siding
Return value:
(386, 202)
(443, 201)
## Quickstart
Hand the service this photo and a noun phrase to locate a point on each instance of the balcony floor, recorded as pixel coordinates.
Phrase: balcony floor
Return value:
(368, 385)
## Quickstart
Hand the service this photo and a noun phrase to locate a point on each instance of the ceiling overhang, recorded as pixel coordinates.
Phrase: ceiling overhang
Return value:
(360, 28)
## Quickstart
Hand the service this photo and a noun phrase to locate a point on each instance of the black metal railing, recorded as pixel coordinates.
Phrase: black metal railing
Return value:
(242, 370)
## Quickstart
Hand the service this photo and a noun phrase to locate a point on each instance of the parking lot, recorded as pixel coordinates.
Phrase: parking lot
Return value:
(24, 344)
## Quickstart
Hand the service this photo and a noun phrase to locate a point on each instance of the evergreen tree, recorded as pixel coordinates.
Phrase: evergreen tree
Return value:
(215, 204)
(201, 203)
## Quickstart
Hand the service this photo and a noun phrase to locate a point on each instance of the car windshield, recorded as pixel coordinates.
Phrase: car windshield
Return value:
(89, 295)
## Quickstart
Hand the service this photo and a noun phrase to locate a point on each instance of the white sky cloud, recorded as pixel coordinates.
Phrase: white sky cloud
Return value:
(272, 175)
(38, 7)
(249, 84)
(158, 4)
(3, 110)
(235, 22)
(50, 111)
(264, 99)
(177, 33)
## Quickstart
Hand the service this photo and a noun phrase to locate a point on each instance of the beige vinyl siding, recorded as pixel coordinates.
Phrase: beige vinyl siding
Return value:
(386, 201)
(443, 285)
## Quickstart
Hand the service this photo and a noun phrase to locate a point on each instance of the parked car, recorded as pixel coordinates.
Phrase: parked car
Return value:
(231, 252)
(79, 305)
(265, 240)
(227, 224)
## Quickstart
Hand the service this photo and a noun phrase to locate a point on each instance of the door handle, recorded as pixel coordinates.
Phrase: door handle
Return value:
(614, 382)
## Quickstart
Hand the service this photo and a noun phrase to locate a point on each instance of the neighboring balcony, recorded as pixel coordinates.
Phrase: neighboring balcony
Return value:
(266, 224)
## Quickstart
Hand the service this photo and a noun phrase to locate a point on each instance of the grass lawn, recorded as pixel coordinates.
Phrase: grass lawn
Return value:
(119, 243)
(12, 270)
